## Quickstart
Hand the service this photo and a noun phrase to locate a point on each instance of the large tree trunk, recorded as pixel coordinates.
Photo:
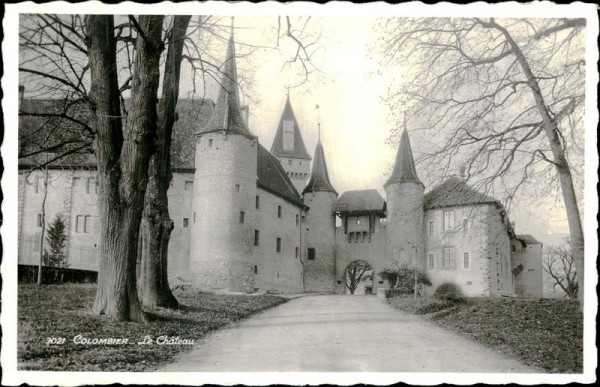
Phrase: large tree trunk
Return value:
(122, 157)
(560, 161)
(154, 282)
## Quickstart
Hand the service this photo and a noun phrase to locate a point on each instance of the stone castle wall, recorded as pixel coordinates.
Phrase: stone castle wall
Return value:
(319, 229)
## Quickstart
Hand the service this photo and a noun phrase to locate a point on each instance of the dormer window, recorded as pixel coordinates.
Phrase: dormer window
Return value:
(288, 135)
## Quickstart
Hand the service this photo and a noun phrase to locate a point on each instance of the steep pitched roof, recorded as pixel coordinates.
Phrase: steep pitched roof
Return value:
(528, 239)
(190, 113)
(299, 150)
(365, 200)
(404, 167)
(319, 177)
(272, 177)
(227, 114)
(455, 192)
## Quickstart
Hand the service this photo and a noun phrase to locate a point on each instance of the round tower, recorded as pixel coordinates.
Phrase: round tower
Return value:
(404, 224)
(222, 232)
(319, 228)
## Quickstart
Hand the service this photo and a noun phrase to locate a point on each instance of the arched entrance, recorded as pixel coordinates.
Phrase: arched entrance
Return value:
(358, 277)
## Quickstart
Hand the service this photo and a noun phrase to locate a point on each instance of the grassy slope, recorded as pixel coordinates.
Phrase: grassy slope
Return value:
(542, 333)
(63, 311)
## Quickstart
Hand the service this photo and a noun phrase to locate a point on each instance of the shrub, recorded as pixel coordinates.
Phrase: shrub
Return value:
(449, 291)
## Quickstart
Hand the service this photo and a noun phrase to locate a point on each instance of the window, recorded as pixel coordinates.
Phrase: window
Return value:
(289, 161)
(186, 222)
(466, 260)
(278, 248)
(255, 269)
(431, 260)
(311, 253)
(297, 219)
(297, 251)
(257, 202)
(256, 237)
(189, 185)
(87, 223)
(465, 225)
(39, 220)
(448, 220)
(431, 228)
(91, 185)
(288, 135)
(279, 211)
(237, 188)
(350, 234)
(210, 142)
(79, 223)
(449, 259)
(242, 214)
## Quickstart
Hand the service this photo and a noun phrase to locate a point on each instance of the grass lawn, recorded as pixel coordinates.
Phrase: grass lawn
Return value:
(63, 311)
(544, 333)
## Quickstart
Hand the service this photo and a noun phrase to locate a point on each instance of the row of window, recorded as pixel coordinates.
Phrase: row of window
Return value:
(449, 259)
(359, 236)
(83, 223)
(448, 224)
(297, 175)
(277, 243)
(91, 183)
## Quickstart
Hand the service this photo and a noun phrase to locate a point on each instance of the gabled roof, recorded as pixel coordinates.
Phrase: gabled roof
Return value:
(227, 114)
(404, 167)
(359, 201)
(319, 176)
(455, 192)
(528, 239)
(299, 151)
(273, 178)
(190, 113)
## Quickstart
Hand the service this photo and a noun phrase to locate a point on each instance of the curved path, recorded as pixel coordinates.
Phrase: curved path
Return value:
(340, 333)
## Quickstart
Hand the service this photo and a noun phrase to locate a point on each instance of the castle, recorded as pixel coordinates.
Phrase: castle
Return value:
(247, 219)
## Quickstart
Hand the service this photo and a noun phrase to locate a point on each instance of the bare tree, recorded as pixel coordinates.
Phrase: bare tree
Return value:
(354, 273)
(559, 268)
(504, 96)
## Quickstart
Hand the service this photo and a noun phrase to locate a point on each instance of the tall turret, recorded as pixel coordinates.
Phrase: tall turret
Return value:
(404, 191)
(319, 225)
(289, 148)
(221, 234)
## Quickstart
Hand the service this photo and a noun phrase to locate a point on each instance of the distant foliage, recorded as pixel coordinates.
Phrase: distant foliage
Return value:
(449, 291)
(57, 241)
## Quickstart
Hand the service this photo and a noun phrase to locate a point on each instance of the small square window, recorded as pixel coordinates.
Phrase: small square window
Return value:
(278, 248)
(186, 222)
(210, 140)
(311, 253)
(189, 185)
(237, 188)
(242, 214)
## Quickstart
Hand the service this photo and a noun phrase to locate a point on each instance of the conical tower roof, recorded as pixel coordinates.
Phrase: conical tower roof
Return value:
(298, 150)
(404, 168)
(227, 114)
(319, 177)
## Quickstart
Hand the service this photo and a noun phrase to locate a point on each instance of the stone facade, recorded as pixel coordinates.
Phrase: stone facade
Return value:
(241, 225)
